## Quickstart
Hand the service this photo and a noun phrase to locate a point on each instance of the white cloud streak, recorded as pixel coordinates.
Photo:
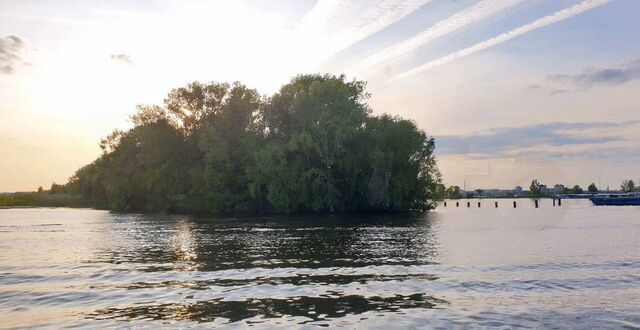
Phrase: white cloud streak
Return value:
(542, 22)
(473, 14)
(337, 24)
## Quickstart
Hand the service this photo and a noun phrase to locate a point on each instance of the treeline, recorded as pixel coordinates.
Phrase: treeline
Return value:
(43, 199)
(314, 146)
(536, 190)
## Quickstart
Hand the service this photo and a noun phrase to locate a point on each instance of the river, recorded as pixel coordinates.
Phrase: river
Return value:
(573, 266)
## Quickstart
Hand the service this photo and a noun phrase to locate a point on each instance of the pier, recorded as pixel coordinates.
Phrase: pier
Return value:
(556, 201)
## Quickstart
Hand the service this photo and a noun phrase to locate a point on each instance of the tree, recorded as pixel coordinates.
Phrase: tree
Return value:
(453, 192)
(56, 188)
(628, 186)
(440, 191)
(40, 189)
(576, 190)
(592, 188)
(315, 123)
(480, 192)
(535, 188)
(190, 106)
(227, 143)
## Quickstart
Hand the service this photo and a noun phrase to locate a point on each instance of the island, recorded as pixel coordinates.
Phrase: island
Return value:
(312, 147)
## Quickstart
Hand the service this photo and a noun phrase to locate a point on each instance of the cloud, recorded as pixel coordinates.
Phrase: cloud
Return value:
(498, 142)
(342, 23)
(548, 89)
(124, 58)
(603, 76)
(475, 13)
(539, 23)
(13, 50)
(615, 154)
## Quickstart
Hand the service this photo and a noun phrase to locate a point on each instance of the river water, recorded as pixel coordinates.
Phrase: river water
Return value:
(573, 266)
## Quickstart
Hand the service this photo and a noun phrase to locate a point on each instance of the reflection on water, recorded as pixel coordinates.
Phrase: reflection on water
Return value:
(576, 266)
(311, 308)
(171, 243)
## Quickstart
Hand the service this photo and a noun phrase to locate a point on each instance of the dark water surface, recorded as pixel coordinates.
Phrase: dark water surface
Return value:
(577, 266)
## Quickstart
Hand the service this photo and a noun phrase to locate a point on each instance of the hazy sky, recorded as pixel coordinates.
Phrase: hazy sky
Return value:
(511, 89)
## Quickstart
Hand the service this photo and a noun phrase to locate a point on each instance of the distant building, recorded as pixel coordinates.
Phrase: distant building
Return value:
(517, 191)
(545, 190)
(496, 193)
(558, 189)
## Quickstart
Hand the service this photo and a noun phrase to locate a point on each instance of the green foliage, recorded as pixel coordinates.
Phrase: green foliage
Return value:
(628, 186)
(535, 188)
(220, 148)
(576, 190)
(41, 198)
(440, 192)
(592, 188)
(453, 192)
(55, 188)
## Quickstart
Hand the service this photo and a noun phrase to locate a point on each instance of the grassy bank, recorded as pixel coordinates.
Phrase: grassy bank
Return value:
(43, 199)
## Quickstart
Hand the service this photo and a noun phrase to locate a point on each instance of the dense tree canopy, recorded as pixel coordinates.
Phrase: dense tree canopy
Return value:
(312, 147)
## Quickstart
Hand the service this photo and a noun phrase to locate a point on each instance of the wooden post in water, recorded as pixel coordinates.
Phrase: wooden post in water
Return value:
(445, 204)
(496, 204)
(457, 204)
(554, 200)
(514, 204)
(536, 202)
(468, 204)
(478, 204)
(559, 201)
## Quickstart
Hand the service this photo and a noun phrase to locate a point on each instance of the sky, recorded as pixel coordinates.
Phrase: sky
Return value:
(512, 90)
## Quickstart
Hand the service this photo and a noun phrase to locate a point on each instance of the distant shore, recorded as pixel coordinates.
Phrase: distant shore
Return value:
(23, 200)
(42, 199)
(34, 199)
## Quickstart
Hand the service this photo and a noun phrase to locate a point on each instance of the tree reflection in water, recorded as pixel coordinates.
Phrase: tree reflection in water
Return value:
(236, 269)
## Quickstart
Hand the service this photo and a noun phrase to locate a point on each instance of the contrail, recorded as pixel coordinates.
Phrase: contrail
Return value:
(473, 14)
(339, 24)
(542, 22)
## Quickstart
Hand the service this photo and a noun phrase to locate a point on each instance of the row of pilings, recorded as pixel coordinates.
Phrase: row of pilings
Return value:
(515, 204)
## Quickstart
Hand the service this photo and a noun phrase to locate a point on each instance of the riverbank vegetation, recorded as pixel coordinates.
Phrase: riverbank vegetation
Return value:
(43, 198)
(536, 190)
(314, 146)
(629, 186)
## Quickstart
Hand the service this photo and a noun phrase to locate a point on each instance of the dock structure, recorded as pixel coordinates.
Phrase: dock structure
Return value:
(556, 200)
